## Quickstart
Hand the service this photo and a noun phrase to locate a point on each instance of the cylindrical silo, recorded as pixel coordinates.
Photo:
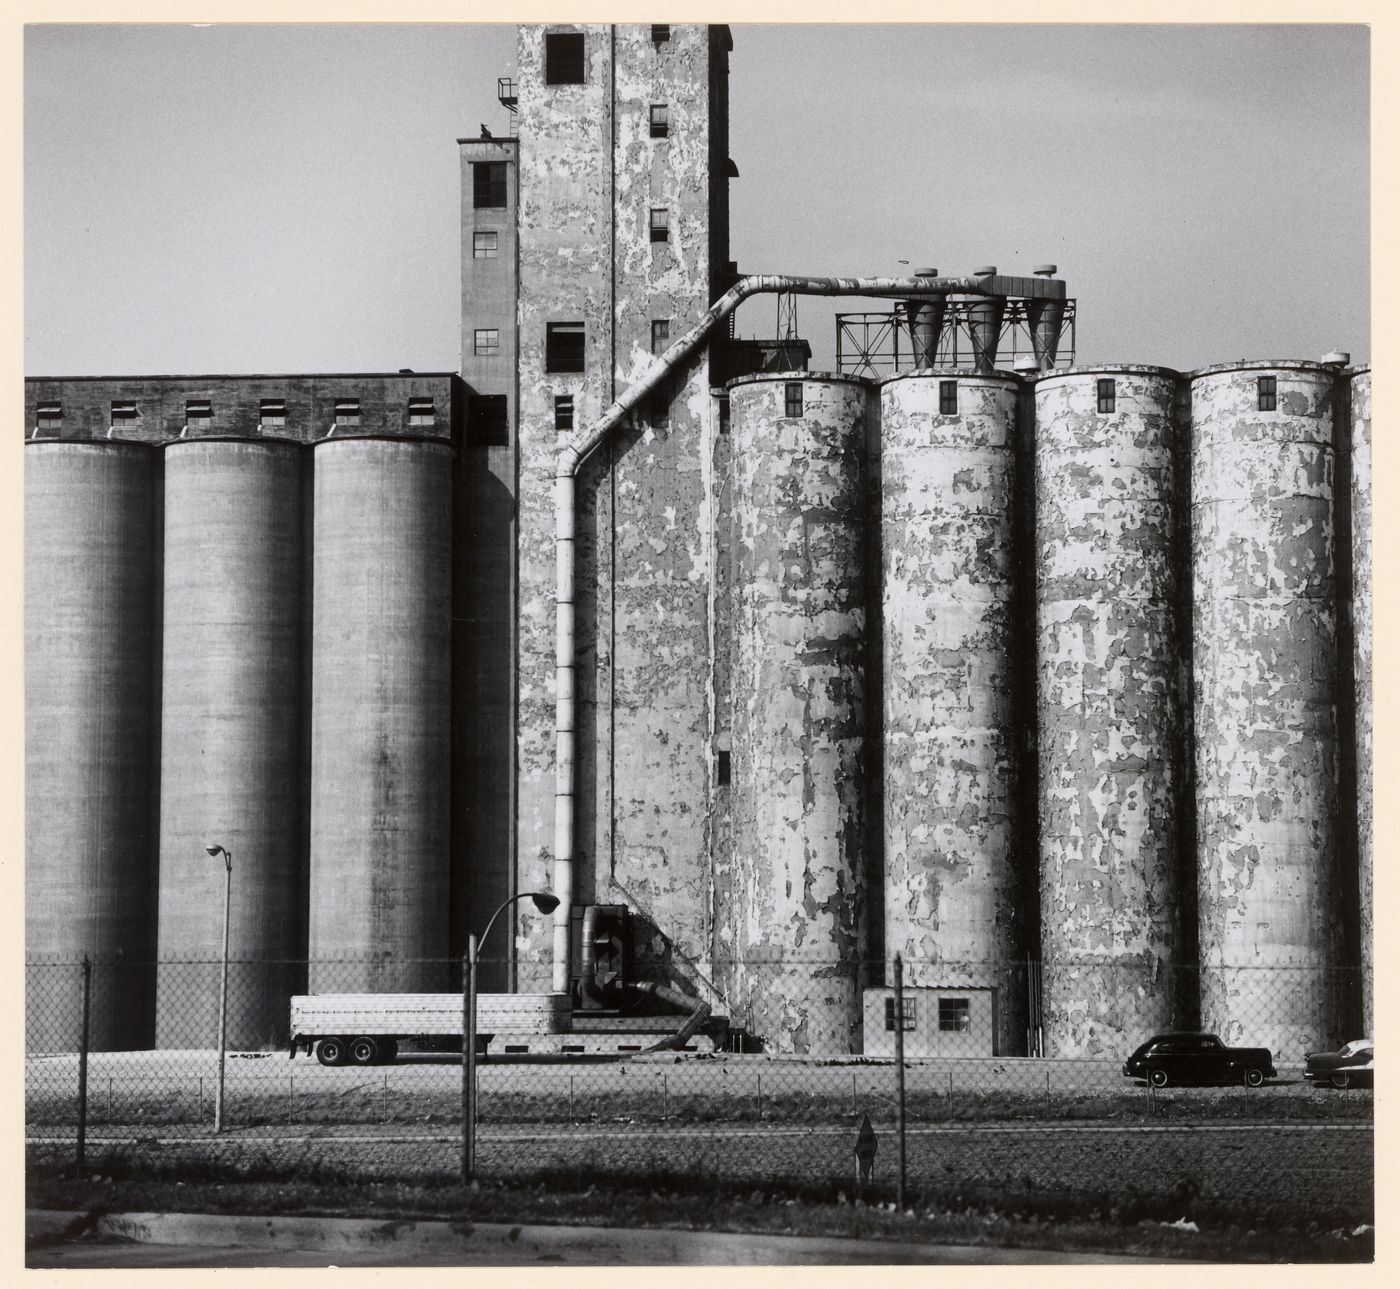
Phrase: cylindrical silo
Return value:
(90, 551)
(232, 769)
(952, 885)
(798, 886)
(1265, 665)
(1110, 577)
(1361, 663)
(380, 711)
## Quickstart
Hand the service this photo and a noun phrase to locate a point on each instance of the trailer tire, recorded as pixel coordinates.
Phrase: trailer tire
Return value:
(364, 1050)
(331, 1051)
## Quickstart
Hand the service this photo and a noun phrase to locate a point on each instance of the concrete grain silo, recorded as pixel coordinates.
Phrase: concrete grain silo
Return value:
(953, 903)
(797, 885)
(1111, 575)
(90, 597)
(1266, 688)
(379, 714)
(1361, 663)
(232, 739)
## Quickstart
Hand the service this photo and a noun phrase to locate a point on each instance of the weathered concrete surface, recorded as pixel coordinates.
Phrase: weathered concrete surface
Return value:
(1264, 646)
(379, 715)
(90, 608)
(952, 899)
(232, 726)
(798, 883)
(1109, 575)
(1361, 592)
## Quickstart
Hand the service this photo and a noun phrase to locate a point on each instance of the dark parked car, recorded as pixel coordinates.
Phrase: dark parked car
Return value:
(1198, 1058)
(1351, 1067)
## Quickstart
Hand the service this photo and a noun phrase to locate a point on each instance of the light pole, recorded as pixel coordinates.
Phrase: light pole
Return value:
(216, 850)
(546, 903)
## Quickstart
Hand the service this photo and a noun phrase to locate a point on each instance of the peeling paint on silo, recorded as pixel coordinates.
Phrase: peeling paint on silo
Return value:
(381, 665)
(952, 890)
(797, 885)
(1109, 580)
(1265, 672)
(1361, 590)
(90, 612)
(231, 739)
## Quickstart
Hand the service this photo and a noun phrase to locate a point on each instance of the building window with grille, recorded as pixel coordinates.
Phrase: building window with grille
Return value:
(660, 334)
(947, 398)
(660, 121)
(489, 185)
(125, 413)
(1108, 395)
(909, 1014)
(272, 412)
(563, 412)
(347, 411)
(48, 416)
(660, 224)
(954, 1015)
(486, 340)
(563, 58)
(484, 245)
(421, 411)
(792, 398)
(1268, 393)
(563, 347)
(660, 33)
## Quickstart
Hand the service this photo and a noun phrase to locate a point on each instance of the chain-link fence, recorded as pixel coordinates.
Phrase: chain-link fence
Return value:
(670, 1081)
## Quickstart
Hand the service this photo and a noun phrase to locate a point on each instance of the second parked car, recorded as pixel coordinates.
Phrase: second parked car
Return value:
(1198, 1058)
(1354, 1066)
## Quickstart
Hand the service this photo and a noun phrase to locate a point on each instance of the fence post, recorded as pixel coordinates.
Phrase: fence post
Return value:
(758, 1095)
(109, 1098)
(572, 1118)
(855, 1110)
(1047, 1091)
(665, 1100)
(81, 1161)
(899, 1067)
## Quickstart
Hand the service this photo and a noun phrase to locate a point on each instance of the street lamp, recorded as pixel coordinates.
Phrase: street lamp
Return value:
(546, 903)
(214, 850)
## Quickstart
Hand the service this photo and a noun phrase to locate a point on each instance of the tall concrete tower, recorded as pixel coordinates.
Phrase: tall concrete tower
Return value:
(590, 242)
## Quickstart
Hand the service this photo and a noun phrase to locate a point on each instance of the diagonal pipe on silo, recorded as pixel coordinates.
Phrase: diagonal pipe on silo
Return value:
(574, 454)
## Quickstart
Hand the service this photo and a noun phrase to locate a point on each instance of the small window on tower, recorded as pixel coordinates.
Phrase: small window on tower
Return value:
(124, 413)
(488, 423)
(908, 1017)
(660, 121)
(660, 334)
(660, 224)
(347, 411)
(198, 412)
(563, 58)
(792, 398)
(486, 340)
(724, 416)
(563, 347)
(947, 398)
(660, 32)
(484, 246)
(954, 1015)
(272, 412)
(421, 411)
(1108, 395)
(563, 412)
(489, 185)
(1268, 393)
(48, 416)
(722, 770)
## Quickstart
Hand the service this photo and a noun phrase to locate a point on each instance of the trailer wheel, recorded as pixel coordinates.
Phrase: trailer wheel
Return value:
(364, 1051)
(331, 1051)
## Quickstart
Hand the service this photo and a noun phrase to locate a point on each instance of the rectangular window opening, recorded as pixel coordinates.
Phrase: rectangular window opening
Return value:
(792, 398)
(484, 245)
(198, 411)
(48, 416)
(1108, 395)
(660, 121)
(724, 416)
(563, 412)
(722, 770)
(564, 347)
(486, 340)
(563, 58)
(272, 411)
(347, 411)
(489, 185)
(421, 411)
(123, 412)
(1268, 393)
(660, 334)
(488, 423)
(908, 1014)
(660, 33)
(947, 398)
(660, 224)
(954, 1015)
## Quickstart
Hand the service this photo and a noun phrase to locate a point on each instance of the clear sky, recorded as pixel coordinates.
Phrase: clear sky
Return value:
(240, 199)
